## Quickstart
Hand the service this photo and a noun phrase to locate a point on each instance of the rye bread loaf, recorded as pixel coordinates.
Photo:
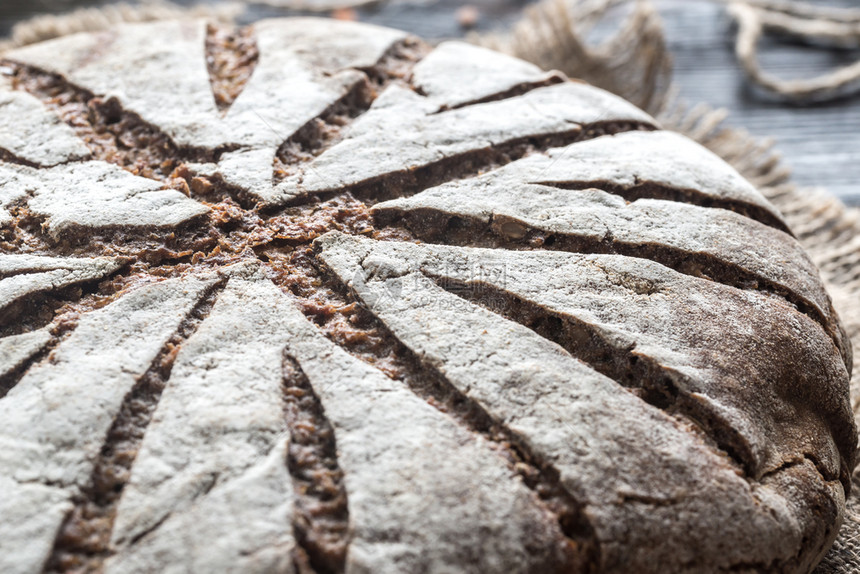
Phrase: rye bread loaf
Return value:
(313, 296)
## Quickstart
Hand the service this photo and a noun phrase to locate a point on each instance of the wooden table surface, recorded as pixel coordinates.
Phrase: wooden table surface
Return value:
(820, 143)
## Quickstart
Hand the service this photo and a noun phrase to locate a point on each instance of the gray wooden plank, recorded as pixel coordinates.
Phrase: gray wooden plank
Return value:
(821, 143)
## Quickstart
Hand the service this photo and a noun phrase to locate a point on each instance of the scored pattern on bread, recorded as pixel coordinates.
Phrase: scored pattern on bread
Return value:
(25, 276)
(31, 134)
(634, 310)
(98, 196)
(401, 138)
(53, 422)
(439, 505)
(718, 244)
(313, 296)
(555, 403)
(218, 430)
(624, 164)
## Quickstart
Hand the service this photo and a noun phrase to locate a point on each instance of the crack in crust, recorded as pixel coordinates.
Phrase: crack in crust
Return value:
(321, 516)
(8, 157)
(327, 129)
(231, 57)
(513, 92)
(345, 322)
(280, 238)
(415, 180)
(112, 134)
(680, 195)
(83, 542)
(507, 233)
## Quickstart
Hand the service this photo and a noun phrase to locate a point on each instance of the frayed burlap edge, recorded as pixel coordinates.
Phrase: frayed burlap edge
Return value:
(635, 64)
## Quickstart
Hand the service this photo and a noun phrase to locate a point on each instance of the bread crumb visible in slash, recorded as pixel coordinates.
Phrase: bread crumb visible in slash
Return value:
(468, 16)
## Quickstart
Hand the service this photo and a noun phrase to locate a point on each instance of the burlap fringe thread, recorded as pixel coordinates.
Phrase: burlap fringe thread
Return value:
(635, 64)
(829, 27)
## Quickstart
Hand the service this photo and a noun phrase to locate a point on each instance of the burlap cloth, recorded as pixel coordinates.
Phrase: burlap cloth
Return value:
(633, 62)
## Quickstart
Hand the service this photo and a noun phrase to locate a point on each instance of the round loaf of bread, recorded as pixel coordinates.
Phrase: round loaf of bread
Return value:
(313, 296)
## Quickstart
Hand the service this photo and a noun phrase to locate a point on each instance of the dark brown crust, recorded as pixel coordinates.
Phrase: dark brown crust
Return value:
(281, 238)
(437, 227)
(345, 322)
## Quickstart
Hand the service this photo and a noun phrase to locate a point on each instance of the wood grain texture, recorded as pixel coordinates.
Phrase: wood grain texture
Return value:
(820, 143)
